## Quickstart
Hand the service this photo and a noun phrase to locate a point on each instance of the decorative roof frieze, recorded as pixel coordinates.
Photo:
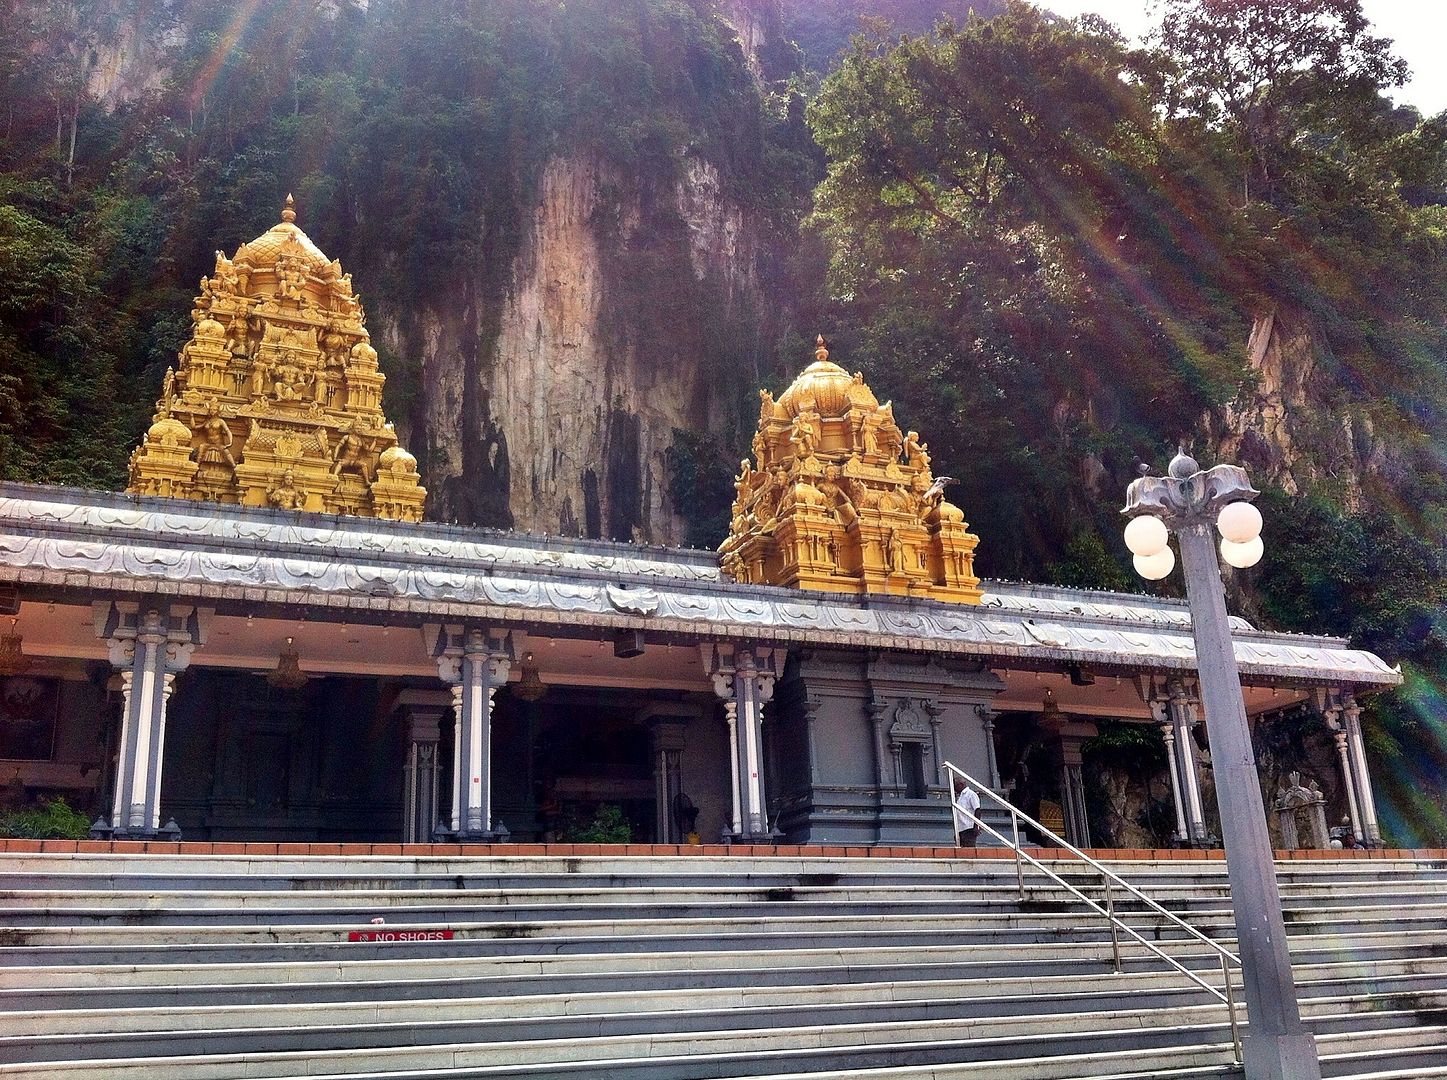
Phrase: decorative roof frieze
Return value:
(110, 543)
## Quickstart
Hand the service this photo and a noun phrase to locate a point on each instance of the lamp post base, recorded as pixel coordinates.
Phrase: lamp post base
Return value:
(1280, 1057)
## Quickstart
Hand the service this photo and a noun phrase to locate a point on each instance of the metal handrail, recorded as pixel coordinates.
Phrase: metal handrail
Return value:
(1108, 877)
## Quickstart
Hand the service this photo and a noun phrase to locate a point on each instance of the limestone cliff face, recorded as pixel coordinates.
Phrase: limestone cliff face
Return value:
(755, 22)
(545, 409)
(1288, 429)
(128, 59)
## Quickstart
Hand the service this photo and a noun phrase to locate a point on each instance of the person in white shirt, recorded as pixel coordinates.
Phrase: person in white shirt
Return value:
(966, 805)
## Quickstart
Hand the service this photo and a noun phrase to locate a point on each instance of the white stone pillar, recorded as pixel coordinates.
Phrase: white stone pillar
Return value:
(743, 677)
(148, 646)
(1348, 780)
(731, 718)
(1182, 711)
(475, 662)
(1357, 747)
(1174, 770)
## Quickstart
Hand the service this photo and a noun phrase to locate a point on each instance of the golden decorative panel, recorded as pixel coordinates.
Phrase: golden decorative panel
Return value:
(837, 498)
(277, 398)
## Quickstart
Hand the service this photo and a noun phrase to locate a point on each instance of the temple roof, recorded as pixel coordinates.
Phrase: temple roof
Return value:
(264, 250)
(826, 388)
(100, 544)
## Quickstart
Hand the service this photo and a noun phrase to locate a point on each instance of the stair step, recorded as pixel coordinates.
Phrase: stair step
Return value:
(647, 967)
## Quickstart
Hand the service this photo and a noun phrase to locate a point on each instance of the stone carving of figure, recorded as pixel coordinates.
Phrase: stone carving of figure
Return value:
(351, 456)
(734, 567)
(869, 436)
(804, 437)
(288, 381)
(894, 548)
(744, 481)
(260, 376)
(759, 448)
(836, 498)
(238, 338)
(290, 279)
(334, 348)
(916, 452)
(286, 495)
(216, 439)
(226, 280)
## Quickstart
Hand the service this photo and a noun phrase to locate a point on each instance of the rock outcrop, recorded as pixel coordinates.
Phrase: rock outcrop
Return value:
(552, 413)
(1294, 427)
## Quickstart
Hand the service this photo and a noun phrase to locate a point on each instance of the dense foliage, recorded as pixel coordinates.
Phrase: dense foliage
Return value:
(52, 820)
(1048, 247)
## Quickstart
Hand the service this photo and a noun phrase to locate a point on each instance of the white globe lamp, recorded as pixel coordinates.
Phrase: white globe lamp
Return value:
(1239, 523)
(1146, 536)
(1243, 555)
(1154, 567)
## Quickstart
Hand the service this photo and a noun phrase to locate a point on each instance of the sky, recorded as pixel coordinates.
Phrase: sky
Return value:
(1418, 29)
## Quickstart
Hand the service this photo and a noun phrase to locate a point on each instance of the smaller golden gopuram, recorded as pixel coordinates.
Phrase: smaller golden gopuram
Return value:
(277, 398)
(836, 498)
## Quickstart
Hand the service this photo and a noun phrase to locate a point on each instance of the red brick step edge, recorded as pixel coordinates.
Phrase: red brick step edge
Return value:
(154, 847)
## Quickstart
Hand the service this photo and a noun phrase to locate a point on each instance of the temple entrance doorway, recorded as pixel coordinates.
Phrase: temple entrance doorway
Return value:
(245, 760)
(594, 767)
(580, 763)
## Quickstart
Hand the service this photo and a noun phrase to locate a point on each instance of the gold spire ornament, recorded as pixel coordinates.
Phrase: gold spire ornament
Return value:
(277, 399)
(836, 498)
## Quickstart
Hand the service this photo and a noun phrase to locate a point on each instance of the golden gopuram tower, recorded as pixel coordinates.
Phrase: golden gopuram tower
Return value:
(838, 499)
(277, 398)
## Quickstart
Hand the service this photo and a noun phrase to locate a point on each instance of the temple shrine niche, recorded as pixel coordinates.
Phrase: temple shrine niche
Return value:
(277, 398)
(836, 498)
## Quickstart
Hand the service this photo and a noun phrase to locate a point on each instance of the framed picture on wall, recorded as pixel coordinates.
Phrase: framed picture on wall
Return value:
(27, 718)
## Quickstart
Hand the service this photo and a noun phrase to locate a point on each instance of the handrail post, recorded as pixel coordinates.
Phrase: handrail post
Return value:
(1114, 929)
(1019, 866)
(1231, 1009)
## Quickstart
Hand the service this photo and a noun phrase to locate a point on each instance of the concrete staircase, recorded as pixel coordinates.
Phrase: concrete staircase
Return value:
(129, 967)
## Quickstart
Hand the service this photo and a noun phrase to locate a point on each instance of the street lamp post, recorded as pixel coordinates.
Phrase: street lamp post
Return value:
(1190, 502)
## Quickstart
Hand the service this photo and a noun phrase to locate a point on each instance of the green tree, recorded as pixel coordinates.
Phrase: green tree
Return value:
(1257, 67)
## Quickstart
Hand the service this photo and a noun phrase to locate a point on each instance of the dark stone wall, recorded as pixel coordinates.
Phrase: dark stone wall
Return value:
(835, 721)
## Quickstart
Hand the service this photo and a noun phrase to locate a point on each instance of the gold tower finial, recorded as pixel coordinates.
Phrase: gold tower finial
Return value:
(288, 209)
(821, 351)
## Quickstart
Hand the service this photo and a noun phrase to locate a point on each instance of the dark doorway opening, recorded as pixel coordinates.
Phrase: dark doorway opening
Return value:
(593, 765)
(248, 761)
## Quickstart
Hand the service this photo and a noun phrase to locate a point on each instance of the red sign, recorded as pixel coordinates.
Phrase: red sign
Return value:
(399, 935)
